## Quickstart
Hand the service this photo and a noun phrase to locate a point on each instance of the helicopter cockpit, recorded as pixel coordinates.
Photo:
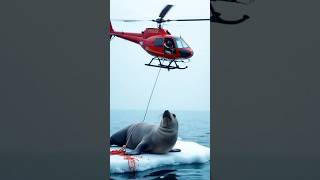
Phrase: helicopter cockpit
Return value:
(180, 43)
(173, 43)
(177, 46)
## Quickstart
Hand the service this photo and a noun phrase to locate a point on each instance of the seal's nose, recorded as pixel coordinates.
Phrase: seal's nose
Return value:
(166, 113)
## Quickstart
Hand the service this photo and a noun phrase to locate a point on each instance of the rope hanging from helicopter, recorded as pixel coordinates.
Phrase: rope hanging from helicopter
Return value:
(154, 85)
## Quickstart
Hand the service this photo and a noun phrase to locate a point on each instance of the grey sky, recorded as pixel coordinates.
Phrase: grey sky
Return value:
(132, 81)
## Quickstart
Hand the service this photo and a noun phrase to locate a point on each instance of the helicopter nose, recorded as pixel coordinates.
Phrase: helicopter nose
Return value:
(186, 53)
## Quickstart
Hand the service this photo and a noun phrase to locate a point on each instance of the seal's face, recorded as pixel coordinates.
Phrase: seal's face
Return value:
(169, 120)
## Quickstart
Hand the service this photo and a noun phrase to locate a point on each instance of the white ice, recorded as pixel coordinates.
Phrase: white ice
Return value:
(191, 152)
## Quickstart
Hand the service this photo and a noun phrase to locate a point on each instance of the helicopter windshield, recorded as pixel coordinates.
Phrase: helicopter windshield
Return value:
(180, 43)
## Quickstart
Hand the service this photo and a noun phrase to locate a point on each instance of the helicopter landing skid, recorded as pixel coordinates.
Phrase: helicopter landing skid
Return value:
(165, 66)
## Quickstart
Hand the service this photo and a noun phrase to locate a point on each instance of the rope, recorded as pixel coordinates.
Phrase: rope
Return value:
(154, 85)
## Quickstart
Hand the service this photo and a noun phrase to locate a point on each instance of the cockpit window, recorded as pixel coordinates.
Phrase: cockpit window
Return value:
(158, 42)
(180, 43)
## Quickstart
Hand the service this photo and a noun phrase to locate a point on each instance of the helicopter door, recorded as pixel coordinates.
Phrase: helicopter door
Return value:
(169, 46)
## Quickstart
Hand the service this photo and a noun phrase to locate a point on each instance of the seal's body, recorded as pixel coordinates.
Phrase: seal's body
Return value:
(148, 138)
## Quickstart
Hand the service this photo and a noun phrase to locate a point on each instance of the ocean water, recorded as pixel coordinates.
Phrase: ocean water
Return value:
(193, 126)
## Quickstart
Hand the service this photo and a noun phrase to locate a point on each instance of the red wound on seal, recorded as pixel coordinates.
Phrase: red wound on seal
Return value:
(131, 160)
(117, 152)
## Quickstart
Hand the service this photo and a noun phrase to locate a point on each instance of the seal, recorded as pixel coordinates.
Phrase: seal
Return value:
(149, 138)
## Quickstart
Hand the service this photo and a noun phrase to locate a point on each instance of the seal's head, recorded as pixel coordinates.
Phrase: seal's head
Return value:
(169, 120)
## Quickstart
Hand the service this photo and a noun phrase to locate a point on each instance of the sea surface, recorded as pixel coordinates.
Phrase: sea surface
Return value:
(193, 126)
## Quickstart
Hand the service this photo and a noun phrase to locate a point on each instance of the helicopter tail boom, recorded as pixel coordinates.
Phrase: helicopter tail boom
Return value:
(133, 37)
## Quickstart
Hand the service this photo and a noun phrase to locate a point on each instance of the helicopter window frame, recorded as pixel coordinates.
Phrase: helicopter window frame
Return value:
(180, 43)
(184, 43)
(158, 42)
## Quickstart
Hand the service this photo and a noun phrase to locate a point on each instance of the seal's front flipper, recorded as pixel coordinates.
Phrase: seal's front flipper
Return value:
(139, 149)
(175, 150)
(134, 152)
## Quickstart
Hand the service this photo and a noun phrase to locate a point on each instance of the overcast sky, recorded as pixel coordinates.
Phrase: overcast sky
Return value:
(132, 81)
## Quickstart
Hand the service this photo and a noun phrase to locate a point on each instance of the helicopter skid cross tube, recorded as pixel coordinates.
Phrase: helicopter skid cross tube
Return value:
(162, 65)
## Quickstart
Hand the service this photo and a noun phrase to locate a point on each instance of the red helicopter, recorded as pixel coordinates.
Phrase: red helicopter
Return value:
(167, 49)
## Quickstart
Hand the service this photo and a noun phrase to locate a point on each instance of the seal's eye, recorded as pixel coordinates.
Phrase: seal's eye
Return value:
(174, 115)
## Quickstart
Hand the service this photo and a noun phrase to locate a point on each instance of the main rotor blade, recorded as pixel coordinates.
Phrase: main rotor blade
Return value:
(165, 10)
(168, 20)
